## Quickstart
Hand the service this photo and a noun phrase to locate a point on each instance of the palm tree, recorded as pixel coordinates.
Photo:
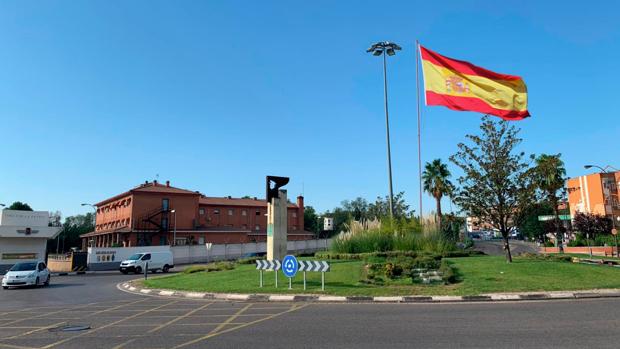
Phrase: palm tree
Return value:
(550, 177)
(436, 179)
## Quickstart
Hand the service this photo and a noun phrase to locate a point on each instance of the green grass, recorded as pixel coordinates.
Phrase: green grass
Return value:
(477, 275)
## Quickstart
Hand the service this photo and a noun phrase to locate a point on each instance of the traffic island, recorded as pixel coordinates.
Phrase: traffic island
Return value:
(475, 279)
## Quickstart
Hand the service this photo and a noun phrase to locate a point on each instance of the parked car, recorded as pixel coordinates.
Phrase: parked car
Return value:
(26, 274)
(156, 261)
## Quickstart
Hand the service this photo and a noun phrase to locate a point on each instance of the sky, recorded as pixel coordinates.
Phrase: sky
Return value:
(98, 96)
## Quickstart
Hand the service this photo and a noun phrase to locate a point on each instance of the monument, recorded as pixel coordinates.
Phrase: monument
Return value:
(276, 218)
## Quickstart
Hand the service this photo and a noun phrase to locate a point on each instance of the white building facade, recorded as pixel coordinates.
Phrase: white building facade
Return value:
(23, 236)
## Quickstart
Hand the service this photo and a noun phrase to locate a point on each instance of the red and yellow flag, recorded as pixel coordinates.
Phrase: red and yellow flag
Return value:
(460, 85)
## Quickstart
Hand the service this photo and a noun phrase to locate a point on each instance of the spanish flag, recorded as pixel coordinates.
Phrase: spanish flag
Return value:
(460, 85)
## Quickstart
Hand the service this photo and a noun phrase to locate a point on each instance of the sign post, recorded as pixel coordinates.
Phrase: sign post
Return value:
(262, 264)
(317, 266)
(289, 268)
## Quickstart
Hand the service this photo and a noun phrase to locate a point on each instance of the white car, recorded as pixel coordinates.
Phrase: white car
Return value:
(26, 274)
(155, 260)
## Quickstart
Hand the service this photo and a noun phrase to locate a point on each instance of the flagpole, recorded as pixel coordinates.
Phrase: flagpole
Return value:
(417, 92)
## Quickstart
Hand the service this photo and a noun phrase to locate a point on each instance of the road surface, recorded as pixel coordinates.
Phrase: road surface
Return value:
(122, 320)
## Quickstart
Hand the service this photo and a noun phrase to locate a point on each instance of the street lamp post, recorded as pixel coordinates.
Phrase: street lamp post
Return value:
(604, 170)
(384, 48)
(174, 234)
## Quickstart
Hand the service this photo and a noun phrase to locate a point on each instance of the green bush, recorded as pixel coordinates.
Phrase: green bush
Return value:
(382, 240)
(217, 266)
(448, 273)
(468, 243)
(248, 260)
(547, 257)
(195, 269)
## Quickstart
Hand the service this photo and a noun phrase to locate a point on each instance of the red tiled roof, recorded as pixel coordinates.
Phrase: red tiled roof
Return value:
(149, 187)
(226, 201)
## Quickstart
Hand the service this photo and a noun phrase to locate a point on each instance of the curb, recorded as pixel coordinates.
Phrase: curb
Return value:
(305, 298)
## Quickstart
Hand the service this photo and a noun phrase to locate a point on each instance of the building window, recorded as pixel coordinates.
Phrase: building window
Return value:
(258, 213)
(244, 212)
(165, 204)
(216, 211)
(201, 211)
(294, 227)
(230, 212)
(257, 227)
(294, 214)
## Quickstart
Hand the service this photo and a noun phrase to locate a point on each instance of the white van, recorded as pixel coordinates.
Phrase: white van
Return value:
(155, 260)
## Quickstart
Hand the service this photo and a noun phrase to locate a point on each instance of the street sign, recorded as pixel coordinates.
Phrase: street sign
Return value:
(563, 217)
(262, 264)
(319, 266)
(290, 266)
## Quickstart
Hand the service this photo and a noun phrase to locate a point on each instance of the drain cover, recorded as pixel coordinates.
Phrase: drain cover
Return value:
(70, 328)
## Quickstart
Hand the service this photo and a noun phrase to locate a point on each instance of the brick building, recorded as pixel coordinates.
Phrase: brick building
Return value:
(149, 213)
(596, 193)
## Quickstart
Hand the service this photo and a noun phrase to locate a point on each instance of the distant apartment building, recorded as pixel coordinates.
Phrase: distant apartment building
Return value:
(151, 213)
(596, 193)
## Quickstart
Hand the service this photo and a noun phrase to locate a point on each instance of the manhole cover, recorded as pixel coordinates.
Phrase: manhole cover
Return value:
(70, 328)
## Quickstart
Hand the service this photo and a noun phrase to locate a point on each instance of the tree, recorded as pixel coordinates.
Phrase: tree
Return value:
(358, 208)
(73, 227)
(436, 181)
(311, 220)
(497, 184)
(381, 208)
(549, 175)
(591, 225)
(19, 206)
(529, 225)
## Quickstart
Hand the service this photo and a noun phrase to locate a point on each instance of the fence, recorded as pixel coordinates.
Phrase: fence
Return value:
(109, 258)
(206, 253)
(606, 251)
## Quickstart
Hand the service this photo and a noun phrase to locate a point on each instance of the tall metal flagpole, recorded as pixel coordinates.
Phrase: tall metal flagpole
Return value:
(417, 92)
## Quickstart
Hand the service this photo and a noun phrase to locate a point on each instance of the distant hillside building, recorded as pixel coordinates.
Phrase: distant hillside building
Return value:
(148, 214)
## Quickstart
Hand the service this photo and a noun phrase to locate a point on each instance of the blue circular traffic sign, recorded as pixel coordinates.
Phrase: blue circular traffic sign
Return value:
(290, 266)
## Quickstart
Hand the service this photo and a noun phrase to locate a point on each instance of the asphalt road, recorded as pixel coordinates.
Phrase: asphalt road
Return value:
(496, 247)
(122, 320)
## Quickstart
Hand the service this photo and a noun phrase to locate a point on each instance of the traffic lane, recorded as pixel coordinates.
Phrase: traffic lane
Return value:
(64, 290)
(543, 324)
(146, 322)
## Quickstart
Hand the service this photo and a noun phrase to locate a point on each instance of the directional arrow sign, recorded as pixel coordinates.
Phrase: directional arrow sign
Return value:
(262, 264)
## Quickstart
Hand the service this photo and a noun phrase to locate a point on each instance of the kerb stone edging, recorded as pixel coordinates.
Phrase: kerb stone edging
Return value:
(491, 297)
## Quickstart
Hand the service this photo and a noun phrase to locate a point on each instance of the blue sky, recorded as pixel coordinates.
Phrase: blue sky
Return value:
(97, 97)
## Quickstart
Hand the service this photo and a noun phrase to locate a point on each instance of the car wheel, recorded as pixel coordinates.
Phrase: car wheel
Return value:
(47, 282)
(5, 287)
(138, 270)
(166, 268)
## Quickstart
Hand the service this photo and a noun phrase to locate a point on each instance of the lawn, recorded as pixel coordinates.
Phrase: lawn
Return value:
(477, 275)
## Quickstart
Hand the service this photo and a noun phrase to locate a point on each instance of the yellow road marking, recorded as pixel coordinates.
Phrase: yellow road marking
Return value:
(46, 314)
(124, 343)
(116, 307)
(230, 319)
(210, 335)
(108, 325)
(179, 318)
(33, 331)
(10, 346)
